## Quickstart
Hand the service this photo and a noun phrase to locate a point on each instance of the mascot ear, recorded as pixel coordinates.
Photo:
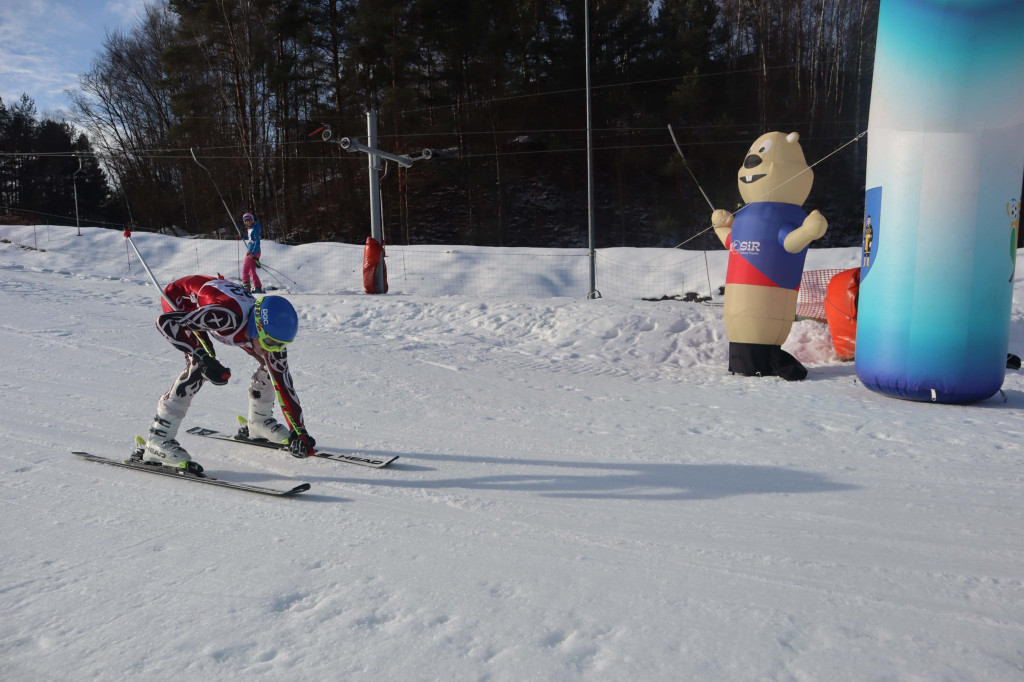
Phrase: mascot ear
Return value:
(792, 137)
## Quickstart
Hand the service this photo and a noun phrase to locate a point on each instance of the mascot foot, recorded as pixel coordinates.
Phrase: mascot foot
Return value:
(762, 360)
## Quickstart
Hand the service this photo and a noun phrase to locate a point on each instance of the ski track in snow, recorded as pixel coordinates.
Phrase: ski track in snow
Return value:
(583, 493)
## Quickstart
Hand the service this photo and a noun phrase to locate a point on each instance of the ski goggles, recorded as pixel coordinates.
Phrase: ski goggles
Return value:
(268, 342)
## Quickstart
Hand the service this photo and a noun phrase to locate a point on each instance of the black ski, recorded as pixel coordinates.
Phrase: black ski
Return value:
(321, 452)
(181, 474)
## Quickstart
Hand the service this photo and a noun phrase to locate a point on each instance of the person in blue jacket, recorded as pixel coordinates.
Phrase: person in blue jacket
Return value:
(250, 280)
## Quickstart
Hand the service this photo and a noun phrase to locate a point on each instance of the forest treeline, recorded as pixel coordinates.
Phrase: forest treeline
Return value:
(496, 89)
(46, 166)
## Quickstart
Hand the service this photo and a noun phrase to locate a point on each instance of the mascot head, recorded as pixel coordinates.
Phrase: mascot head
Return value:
(775, 170)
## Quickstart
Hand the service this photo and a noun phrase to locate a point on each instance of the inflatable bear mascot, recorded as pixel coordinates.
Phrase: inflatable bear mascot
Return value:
(767, 241)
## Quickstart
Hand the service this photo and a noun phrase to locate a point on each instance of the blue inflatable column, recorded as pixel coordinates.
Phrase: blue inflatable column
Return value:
(944, 170)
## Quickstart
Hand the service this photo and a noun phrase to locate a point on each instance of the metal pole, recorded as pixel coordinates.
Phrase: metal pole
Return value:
(152, 277)
(74, 181)
(376, 226)
(594, 293)
(160, 290)
(687, 166)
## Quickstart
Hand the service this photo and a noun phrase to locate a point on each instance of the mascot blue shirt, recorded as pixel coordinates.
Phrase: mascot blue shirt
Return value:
(756, 255)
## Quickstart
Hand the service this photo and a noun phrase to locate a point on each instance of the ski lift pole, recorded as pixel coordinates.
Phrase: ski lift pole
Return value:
(74, 180)
(376, 222)
(687, 166)
(591, 253)
(352, 144)
(225, 204)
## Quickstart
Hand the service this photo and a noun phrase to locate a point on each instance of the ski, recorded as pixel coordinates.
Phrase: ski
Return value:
(181, 474)
(321, 452)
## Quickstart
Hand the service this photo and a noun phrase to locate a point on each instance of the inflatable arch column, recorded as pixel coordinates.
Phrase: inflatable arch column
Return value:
(944, 169)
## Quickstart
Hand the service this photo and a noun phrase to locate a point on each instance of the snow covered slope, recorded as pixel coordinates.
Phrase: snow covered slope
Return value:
(583, 493)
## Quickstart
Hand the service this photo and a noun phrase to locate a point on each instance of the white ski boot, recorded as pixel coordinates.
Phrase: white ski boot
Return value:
(263, 426)
(162, 447)
(167, 452)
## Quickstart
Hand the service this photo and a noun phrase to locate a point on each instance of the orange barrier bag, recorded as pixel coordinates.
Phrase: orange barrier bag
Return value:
(841, 311)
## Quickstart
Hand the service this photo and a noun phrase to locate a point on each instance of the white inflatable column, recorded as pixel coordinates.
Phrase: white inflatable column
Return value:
(944, 171)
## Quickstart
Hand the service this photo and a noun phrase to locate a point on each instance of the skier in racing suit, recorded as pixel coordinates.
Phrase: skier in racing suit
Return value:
(206, 308)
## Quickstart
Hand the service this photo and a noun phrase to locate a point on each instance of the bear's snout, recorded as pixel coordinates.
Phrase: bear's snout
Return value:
(752, 161)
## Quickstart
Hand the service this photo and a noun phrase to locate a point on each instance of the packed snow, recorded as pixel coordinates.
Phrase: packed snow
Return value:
(583, 492)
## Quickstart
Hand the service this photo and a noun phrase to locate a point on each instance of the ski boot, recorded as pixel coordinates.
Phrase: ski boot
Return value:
(162, 448)
(262, 426)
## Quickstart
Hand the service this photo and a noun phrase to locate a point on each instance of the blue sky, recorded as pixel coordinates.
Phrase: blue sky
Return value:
(45, 44)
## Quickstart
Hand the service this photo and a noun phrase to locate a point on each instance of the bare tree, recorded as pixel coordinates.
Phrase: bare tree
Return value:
(125, 105)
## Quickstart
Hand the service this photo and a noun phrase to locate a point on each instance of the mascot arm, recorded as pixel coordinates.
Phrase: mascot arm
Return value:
(813, 227)
(721, 220)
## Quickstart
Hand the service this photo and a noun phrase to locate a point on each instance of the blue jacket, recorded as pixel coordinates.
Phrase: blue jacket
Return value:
(252, 244)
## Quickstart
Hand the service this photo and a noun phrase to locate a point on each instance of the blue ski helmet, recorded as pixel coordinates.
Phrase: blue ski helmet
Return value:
(273, 323)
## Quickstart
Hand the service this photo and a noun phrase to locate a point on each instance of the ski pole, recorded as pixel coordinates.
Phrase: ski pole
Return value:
(163, 295)
(273, 270)
(271, 275)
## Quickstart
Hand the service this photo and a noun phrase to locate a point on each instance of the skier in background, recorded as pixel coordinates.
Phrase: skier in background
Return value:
(250, 280)
(209, 307)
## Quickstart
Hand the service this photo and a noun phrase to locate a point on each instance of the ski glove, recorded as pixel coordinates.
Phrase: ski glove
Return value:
(256, 261)
(301, 444)
(214, 372)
